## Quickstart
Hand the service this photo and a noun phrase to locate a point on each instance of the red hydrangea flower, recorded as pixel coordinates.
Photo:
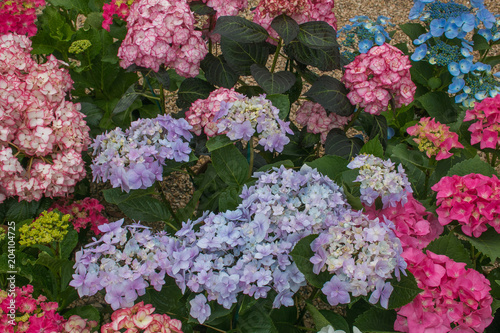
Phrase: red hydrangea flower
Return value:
(473, 200)
(376, 77)
(120, 8)
(83, 213)
(487, 127)
(434, 138)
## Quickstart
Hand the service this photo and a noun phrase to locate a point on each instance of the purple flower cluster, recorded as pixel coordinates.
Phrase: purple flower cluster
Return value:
(379, 178)
(362, 254)
(124, 262)
(246, 116)
(134, 159)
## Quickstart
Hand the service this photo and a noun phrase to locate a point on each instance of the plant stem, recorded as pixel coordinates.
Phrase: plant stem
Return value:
(166, 202)
(493, 160)
(251, 158)
(276, 55)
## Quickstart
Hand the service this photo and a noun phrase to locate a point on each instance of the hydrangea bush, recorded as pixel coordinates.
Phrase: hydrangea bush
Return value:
(336, 181)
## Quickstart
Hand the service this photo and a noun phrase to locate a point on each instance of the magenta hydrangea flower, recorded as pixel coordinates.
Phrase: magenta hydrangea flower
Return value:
(19, 16)
(434, 138)
(486, 129)
(163, 33)
(376, 77)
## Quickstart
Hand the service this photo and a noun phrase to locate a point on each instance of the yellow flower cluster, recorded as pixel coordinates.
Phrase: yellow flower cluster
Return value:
(49, 227)
(2, 234)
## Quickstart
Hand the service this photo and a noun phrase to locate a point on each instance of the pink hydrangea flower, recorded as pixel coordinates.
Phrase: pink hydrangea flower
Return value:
(18, 16)
(201, 113)
(162, 33)
(472, 200)
(84, 213)
(434, 138)
(38, 123)
(452, 296)
(120, 8)
(486, 129)
(300, 10)
(414, 226)
(376, 77)
(314, 117)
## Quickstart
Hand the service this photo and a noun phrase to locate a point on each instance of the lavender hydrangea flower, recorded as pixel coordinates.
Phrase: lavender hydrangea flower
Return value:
(379, 178)
(134, 159)
(255, 116)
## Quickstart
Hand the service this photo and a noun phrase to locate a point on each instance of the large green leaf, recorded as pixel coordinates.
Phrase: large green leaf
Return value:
(324, 318)
(413, 30)
(87, 312)
(282, 102)
(421, 72)
(240, 56)
(217, 142)
(147, 209)
(404, 291)
(240, 29)
(256, 319)
(20, 211)
(218, 72)
(317, 35)
(439, 106)
(81, 6)
(373, 147)
(126, 100)
(229, 198)
(200, 8)
(487, 243)
(301, 255)
(117, 196)
(323, 59)
(165, 300)
(474, 165)
(192, 89)
(286, 27)
(450, 246)
(376, 320)
(272, 83)
(68, 243)
(231, 165)
(337, 143)
(332, 95)
(331, 166)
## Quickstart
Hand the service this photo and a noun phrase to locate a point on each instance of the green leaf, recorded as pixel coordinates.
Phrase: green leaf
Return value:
(126, 100)
(116, 196)
(81, 6)
(286, 163)
(282, 102)
(487, 243)
(218, 72)
(330, 166)
(87, 312)
(240, 56)
(200, 8)
(240, 29)
(301, 255)
(272, 83)
(68, 243)
(165, 300)
(413, 162)
(421, 72)
(494, 276)
(325, 318)
(439, 106)
(50, 262)
(231, 165)
(20, 211)
(192, 89)
(332, 95)
(286, 27)
(376, 320)
(373, 147)
(229, 198)
(256, 319)
(492, 61)
(317, 35)
(404, 291)
(413, 30)
(337, 143)
(284, 319)
(217, 142)
(323, 59)
(450, 246)
(474, 165)
(147, 209)
(480, 43)
(379, 128)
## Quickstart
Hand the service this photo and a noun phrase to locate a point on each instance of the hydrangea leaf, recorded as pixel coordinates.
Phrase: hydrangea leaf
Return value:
(256, 319)
(331, 166)
(439, 106)
(272, 83)
(494, 277)
(240, 29)
(81, 6)
(301, 255)
(286, 27)
(20, 211)
(240, 56)
(474, 165)
(217, 142)
(165, 300)
(487, 243)
(376, 320)
(229, 198)
(337, 143)
(317, 35)
(87, 312)
(69, 243)
(404, 291)
(413, 30)
(324, 318)
(450, 246)
(147, 209)
(200, 8)
(192, 89)
(323, 59)
(282, 102)
(218, 72)
(373, 147)
(332, 95)
(116, 196)
(230, 165)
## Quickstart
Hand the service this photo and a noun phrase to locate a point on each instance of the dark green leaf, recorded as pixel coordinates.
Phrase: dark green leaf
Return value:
(492, 61)
(284, 319)
(286, 27)
(281, 102)
(450, 246)
(229, 199)
(404, 291)
(337, 143)
(323, 59)
(81, 6)
(301, 255)
(240, 29)
(117, 196)
(240, 56)
(331, 94)
(480, 43)
(285, 163)
(487, 243)
(218, 72)
(317, 35)
(494, 276)
(325, 318)
(20, 211)
(376, 320)
(272, 83)
(379, 128)
(330, 166)
(373, 147)
(250, 91)
(230, 165)
(126, 101)
(147, 209)
(165, 300)
(163, 77)
(68, 243)
(474, 165)
(217, 142)
(87, 312)
(200, 8)
(192, 89)
(256, 319)
(439, 106)
(413, 30)
(421, 72)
